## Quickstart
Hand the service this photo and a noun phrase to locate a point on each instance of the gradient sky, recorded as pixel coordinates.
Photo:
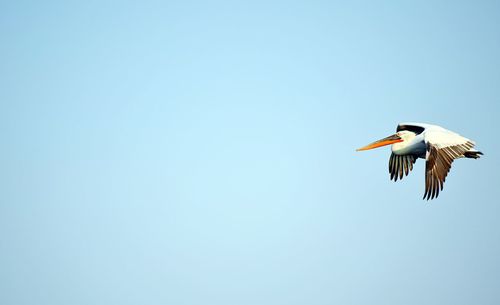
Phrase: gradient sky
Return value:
(203, 152)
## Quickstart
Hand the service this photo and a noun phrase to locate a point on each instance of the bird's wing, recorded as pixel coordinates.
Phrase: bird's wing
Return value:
(399, 165)
(443, 147)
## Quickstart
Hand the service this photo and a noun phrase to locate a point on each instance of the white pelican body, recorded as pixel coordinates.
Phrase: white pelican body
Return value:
(439, 146)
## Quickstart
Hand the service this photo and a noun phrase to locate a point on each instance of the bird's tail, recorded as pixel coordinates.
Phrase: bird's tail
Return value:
(473, 154)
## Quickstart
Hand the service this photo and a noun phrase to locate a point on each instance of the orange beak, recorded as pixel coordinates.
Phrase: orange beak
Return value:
(383, 142)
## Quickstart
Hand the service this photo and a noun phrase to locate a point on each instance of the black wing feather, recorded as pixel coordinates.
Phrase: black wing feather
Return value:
(438, 165)
(400, 165)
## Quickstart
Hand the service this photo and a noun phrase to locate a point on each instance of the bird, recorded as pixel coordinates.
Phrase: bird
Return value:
(437, 145)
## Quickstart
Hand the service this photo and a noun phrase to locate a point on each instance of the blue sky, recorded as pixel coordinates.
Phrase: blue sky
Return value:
(195, 152)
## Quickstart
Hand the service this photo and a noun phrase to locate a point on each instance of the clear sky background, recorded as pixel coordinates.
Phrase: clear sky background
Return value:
(203, 152)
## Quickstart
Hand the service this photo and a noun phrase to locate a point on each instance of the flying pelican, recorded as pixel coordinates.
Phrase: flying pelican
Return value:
(438, 146)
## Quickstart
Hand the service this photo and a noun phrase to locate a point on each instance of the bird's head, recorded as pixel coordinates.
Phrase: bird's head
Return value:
(403, 137)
